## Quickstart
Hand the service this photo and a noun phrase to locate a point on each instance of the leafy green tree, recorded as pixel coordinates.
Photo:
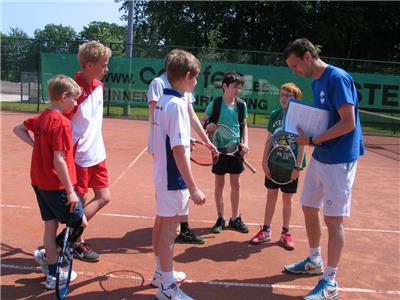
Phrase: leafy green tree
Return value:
(110, 34)
(16, 54)
(56, 38)
(348, 29)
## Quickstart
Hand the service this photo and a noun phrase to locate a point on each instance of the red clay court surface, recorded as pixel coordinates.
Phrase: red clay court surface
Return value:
(226, 267)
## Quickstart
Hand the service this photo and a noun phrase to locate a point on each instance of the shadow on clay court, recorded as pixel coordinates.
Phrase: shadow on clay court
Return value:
(138, 240)
(238, 292)
(227, 251)
(115, 285)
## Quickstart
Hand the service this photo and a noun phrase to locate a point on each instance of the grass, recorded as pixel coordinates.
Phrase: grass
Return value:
(141, 113)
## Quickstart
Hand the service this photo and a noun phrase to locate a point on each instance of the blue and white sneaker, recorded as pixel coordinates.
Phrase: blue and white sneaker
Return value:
(305, 267)
(323, 290)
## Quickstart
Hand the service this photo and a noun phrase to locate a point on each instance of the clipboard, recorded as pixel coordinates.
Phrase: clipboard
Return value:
(312, 120)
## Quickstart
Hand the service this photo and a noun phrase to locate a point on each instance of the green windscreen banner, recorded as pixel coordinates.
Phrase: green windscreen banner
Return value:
(128, 79)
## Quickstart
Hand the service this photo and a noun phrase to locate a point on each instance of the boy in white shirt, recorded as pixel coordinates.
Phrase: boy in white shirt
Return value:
(173, 178)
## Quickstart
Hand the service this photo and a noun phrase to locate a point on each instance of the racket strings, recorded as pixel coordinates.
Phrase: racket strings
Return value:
(225, 140)
(201, 154)
(281, 159)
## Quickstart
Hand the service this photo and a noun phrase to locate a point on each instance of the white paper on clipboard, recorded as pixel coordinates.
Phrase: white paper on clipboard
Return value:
(313, 121)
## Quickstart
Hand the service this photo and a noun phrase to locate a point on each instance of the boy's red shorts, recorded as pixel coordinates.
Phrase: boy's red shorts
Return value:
(91, 177)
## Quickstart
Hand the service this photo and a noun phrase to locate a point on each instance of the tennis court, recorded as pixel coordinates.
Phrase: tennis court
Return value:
(226, 267)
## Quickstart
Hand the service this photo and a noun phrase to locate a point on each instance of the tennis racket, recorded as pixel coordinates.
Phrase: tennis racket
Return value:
(202, 154)
(228, 143)
(281, 158)
(64, 265)
(64, 260)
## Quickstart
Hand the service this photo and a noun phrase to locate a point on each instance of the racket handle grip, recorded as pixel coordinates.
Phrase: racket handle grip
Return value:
(249, 166)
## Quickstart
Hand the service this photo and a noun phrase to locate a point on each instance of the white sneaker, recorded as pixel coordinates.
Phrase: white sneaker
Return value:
(173, 292)
(40, 257)
(51, 280)
(157, 278)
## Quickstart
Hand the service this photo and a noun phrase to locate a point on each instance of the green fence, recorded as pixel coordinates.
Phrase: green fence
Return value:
(378, 82)
(128, 78)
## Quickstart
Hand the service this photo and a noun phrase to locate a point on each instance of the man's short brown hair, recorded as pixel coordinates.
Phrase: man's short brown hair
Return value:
(299, 47)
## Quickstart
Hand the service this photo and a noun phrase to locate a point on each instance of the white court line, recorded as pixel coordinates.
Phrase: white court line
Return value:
(219, 283)
(128, 167)
(211, 222)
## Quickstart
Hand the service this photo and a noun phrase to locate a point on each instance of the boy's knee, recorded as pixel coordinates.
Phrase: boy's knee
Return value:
(235, 186)
(105, 200)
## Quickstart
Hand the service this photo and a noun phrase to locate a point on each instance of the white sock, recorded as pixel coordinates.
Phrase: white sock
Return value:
(315, 255)
(158, 264)
(330, 275)
(167, 279)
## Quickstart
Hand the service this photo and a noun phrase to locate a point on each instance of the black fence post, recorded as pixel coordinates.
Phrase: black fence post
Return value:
(38, 70)
(108, 101)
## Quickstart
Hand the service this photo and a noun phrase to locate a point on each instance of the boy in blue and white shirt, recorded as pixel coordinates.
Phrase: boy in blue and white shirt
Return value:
(173, 178)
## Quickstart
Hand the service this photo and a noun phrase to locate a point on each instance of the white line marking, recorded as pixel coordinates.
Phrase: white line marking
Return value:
(299, 287)
(15, 206)
(128, 167)
(220, 283)
(211, 222)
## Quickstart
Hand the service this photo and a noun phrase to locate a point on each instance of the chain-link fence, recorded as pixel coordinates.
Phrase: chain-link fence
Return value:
(21, 59)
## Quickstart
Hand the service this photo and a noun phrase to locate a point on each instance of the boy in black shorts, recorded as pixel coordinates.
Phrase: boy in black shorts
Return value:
(232, 85)
(287, 91)
(53, 173)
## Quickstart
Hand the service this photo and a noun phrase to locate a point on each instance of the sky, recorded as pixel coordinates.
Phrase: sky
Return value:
(29, 15)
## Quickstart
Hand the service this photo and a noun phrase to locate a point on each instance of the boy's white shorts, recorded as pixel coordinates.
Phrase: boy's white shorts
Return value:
(329, 186)
(172, 203)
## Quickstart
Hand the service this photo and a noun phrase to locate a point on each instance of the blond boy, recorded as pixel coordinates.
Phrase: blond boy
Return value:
(87, 137)
(53, 173)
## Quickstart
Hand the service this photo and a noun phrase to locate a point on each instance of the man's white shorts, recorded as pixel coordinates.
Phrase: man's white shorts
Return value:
(329, 186)
(172, 203)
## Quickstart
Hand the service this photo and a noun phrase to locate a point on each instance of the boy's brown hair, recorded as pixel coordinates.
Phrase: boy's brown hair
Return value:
(92, 52)
(179, 63)
(60, 84)
(292, 88)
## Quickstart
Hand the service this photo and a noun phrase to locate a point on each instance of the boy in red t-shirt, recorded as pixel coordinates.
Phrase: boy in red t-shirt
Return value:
(53, 173)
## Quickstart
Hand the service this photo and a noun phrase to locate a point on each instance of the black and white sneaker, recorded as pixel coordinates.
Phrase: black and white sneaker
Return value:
(83, 252)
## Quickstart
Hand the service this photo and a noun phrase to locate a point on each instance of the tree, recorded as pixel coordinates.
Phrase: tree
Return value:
(107, 33)
(16, 51)
(348, 29)
(56, 38)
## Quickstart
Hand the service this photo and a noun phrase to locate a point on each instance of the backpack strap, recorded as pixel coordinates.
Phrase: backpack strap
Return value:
(217, 102)
(216, 110)
(240, 107)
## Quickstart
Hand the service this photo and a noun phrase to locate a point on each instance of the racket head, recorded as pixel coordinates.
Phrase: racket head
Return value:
(64, 265)
(281, 158)
(201, 154)
(122, 279)
(225, 140)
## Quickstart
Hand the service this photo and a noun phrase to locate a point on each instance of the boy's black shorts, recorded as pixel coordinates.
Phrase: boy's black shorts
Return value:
(52, 206)
(290, 188)
(228, 164)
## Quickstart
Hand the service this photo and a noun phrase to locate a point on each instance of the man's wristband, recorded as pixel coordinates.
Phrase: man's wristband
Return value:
(297, 168)
(310, 142)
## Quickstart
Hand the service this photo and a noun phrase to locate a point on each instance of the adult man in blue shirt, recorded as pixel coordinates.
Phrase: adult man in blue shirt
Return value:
(332, 169)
